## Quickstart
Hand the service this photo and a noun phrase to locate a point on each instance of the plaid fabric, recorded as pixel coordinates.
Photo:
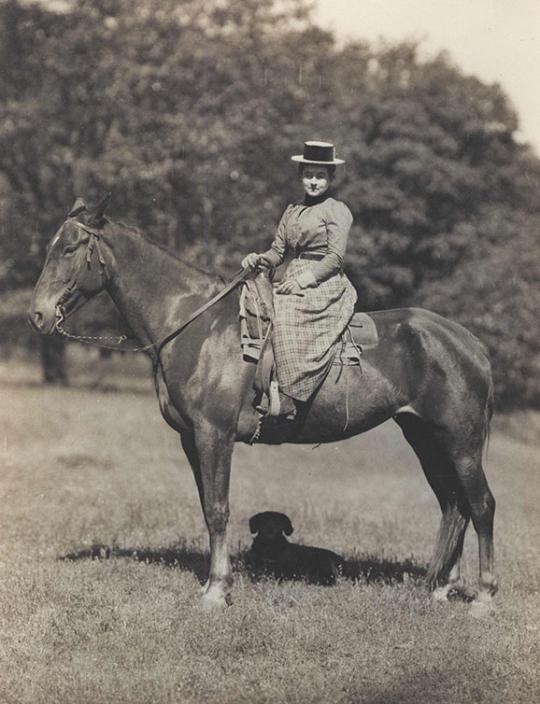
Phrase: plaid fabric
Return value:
(307, 330)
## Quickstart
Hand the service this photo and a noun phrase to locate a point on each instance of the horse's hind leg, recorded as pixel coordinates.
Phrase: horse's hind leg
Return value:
(482, 506)
(444, 569)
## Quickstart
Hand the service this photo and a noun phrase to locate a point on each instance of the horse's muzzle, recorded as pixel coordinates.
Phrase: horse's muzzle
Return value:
(35, 318)
(39, 322)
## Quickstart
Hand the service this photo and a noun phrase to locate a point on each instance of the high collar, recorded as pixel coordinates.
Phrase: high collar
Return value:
(315, 200)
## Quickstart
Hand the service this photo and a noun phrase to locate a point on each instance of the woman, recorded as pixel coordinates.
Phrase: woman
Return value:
(315, 301)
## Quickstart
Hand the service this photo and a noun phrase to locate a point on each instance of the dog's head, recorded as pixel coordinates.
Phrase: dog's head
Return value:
(270, 525)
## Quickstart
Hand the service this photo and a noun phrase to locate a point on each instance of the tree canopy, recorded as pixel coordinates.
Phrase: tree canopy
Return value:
(188, 111)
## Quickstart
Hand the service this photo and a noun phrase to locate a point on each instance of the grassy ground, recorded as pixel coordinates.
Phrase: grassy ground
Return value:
(87, 474)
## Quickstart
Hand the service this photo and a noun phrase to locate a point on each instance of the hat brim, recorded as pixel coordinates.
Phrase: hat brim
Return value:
(299, 158)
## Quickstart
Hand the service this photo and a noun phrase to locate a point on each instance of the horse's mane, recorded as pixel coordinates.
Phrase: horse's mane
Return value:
(150, 240)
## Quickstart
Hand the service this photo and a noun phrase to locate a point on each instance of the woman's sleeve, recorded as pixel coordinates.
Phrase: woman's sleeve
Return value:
(275, 255)
(338, 220)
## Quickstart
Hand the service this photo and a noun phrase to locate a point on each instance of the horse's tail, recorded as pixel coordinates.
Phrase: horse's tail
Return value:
(488, 411)
(449, 542)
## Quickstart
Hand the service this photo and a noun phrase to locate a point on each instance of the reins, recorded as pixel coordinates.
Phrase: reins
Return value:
(239, 277)
(93, 242)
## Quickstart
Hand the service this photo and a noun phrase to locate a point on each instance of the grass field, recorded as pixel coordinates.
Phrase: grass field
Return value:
(103, 548)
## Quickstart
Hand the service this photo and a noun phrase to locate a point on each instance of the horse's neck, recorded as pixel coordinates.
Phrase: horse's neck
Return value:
(153, 290)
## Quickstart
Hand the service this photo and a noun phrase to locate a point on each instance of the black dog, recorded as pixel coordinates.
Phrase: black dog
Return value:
(272, 554)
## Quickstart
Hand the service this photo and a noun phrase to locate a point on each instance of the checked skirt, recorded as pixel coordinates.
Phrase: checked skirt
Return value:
(307, 330)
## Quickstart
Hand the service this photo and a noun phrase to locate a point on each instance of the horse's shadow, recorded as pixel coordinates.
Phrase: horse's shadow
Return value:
(374, 569)
(178, 557)
(368, 569)
(364, 569)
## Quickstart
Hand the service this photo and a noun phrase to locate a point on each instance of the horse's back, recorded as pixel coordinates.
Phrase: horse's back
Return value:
(432, 333)
(447, 368)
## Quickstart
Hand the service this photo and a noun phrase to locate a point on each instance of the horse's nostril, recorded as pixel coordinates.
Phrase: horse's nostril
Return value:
(37, 319)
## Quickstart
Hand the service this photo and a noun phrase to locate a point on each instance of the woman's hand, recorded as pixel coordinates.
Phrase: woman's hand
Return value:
(289, 286)
(252, 261)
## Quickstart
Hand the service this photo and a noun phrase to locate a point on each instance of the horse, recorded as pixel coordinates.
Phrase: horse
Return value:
(429, 374)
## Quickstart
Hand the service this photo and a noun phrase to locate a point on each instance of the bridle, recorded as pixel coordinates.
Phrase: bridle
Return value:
(94, 244)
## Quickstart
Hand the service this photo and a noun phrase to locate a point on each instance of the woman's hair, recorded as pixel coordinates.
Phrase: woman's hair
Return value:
(331, 168)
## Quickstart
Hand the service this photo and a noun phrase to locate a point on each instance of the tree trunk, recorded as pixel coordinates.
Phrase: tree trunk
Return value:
(53, 360)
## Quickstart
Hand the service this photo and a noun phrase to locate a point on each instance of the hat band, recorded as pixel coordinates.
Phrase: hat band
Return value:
(319, 152)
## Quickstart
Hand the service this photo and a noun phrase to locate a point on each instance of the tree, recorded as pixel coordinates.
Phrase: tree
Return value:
(189, 110)
(431, 150)
(496, 294)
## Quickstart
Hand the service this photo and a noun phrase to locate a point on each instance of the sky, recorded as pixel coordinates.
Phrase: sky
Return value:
(496, 40)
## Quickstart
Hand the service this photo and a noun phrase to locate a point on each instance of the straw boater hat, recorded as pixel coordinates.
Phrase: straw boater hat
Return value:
(318, 153)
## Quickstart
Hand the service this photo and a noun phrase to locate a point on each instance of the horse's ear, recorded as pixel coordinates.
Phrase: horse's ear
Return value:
(96, 216)
(77, 208)
(286, 524)
(99, 210)
(254, 523)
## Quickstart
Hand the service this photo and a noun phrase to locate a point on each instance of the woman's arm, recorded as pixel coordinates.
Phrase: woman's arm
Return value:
(338, 220)
(274, 256)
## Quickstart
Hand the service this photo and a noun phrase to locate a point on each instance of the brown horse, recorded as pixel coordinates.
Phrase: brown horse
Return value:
(429, 374)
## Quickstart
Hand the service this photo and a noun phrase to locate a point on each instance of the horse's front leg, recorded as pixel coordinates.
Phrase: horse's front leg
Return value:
(209, 451)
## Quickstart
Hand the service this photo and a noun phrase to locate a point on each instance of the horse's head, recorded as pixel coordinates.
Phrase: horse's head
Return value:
(74, 269)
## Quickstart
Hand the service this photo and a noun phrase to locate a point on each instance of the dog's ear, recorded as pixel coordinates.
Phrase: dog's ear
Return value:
(254, 523)
(287, 526)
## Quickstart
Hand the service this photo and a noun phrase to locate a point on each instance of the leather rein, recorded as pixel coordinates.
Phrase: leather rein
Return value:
(94, 244)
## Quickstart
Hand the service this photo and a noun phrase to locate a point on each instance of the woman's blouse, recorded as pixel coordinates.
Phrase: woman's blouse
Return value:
(322, 228)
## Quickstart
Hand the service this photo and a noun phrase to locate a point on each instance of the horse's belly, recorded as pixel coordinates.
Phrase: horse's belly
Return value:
(351, 401)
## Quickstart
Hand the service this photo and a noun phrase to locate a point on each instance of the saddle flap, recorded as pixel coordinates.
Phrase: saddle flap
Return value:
(256, 299)
(364, 331)
(265, 366)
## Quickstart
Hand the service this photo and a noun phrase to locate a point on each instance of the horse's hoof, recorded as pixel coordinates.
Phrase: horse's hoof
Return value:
(482, 608)
(215, 599)
(440, 594)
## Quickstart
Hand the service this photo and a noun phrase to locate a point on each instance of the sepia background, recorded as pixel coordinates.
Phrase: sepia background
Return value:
(187, 111)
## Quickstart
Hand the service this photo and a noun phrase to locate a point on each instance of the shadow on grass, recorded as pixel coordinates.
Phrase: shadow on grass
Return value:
(180, 557)
(372, 568)
(363, 570)
(369, 569)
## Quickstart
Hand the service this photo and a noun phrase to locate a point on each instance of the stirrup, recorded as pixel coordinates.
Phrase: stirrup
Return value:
(270, 405)
(275, 409)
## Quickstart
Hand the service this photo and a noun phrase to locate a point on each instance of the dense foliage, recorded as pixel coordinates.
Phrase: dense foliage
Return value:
(189, 110)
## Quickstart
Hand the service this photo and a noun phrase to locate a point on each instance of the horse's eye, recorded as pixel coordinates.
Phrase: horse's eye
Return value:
(70, 248)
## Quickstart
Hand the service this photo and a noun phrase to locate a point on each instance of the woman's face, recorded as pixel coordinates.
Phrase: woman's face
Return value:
(315, 179)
